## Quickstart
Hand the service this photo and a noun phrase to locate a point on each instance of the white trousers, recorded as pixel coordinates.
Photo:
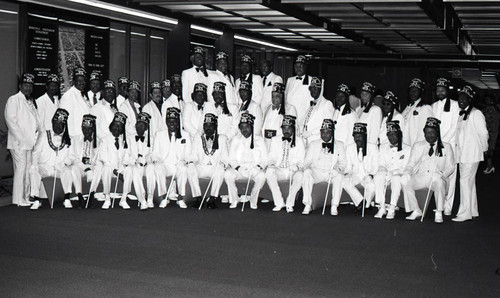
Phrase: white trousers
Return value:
(104, 173)
(69, 176)
(134, 174)
(231, 176)
(382, 181)
(450, 193)
(352, 181)
(468, 194)
(313, 176)
(162, 171)
(275, 174)
(195, 172)
(420, 181)
(22, 163)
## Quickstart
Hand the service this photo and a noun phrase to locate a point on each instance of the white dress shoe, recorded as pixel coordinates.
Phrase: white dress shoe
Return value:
(36, 205)
(244, 199)
(265, 201)
(124, 205)
(253, 206)
(460, 219)
(414, 215)
(67, 204)
(150, 203)
(438, 217)
(447, 212)
(182, 204)
(289, 209)
(391, 213)
(224, 199)
(25, 203)
(107, 204)
(144, 205)
(381, 212)
(233, 205)
(334, 211)
(164, 203)
(278, 208)
(307, 210)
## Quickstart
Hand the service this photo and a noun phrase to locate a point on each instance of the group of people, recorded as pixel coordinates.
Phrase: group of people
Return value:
(206, 124)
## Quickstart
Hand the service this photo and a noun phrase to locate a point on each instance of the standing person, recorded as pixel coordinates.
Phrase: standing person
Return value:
(247, 160)
(491, 113)
(192, 115)
(170, 100)
(77, 103)
(105, 110)
(269, 78)
(297, 88)
(195, 74)
(320, 108)
(254, 81)
(222, 74)
(274, 114)
(390, 112)
(176, 86)
(53, 154)
(153, 108)
(123, 86)
(447, 111)
(344, 116)
(416, 113)
(354, 101)
(48, 103)
(225, 114)
(286, 159)
(472, 144)
(23, 126)
(210, 155)
(393, 157)
(131, 106)
(249, 106)
(369, 113)
(94, 94)
(431, 162)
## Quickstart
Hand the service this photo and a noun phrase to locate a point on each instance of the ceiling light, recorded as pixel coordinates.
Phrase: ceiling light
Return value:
(205, 29)
(264, 43)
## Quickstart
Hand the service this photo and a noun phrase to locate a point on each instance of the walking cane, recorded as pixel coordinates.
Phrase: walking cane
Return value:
(116, 187)
(54, 185)
(428, 194)
(326, 194)
(246, 191)
(290, 183)
(209, 183)
(172, 180)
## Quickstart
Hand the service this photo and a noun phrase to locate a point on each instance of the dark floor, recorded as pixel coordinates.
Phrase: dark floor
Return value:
(216, 253)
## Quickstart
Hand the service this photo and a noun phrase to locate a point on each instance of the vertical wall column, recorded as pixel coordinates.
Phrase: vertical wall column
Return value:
(178, 48)
(225, 43)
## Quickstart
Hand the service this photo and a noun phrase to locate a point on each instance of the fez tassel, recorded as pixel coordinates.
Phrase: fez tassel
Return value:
(428, 193)
(210, 182)
(246, 191)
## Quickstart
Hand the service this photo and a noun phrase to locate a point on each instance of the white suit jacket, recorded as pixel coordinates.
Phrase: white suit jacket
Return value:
(273, 119)
(415, 119)
(77, 145)
(127, 109)
(368, 165)
(392, 160)
(344, 126)
(322, 110)
(317, 158)
(139, 151)
(192, 118)
(91, 94)
(421, 162)
(295, 154)
(254, 109)
(256, 88)
(221, 155)
(105, 115)
(157, 122)
(171, 151)
(22, 122)
(297, 94)
(231, 91)
(46, 110)
(241, 155)
(77, 106)
(267, 89)
(472, 137)
(226, 124)
(189, 78)
(382, 137)
(373, 120)
(43, 154)
(449, 120)
(112, 157)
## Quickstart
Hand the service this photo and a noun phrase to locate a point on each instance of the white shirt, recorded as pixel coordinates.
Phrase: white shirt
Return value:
(131, 112)
(283, 155)
(112, 157)
(77, 106)
(421, 162)
(189, 78)
(359, 165)
(22, 122)
(257, 89)
(171, 150)
(319, 158)
(241, 155)
(472, 137)
(192, 118)
(415, 119)
(373, 120)
(46, 109)
(392, 160)
(201, 157)
(254, 109)
(226, 124)
(273, 119)
(45, 155)
(267, 88)
(297, 94)
(94, 97)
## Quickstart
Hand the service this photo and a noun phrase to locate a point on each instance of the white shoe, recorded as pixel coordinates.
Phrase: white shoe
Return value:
(67, 204)
(124, 205)
(36, 205)
(182, 204)
(233, 205)
(107, 204)
(144, 205)
(289, 209)
(244, 199)
(224, 199)
(414, 215)
(381, 212)
(173, 196)
(150, 203)
(25, 203)
(278, 208)
(334, 211)
(307, 210)
(100, 197)
(265, 201)
(391, 213)
(447, 212)
(460, 219)
(164, 203)
(253, 206)
(438, 217)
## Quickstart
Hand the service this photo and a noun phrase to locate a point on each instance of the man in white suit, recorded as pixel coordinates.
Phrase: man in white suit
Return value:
(221, 74)
(472, 143)
(154, 108)
(48, 103)
(23, 126)
(123, 85)
(344, 116)
(431, 162)
(390, 112)
(254, 80)
(94, 94)
(447, 111)
(319, 109)
(369, 113)
(131, 106)
(416, 113)
(297, 88)
(195, 74)
(105, 110)
(269, 78)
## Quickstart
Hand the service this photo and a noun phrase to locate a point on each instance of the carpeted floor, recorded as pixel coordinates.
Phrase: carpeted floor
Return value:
(217, 253)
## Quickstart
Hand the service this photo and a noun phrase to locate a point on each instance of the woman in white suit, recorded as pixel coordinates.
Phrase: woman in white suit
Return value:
(23, 124)
(472, 142)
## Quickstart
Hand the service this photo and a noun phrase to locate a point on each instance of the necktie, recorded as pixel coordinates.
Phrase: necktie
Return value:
(139, 138)
(87, 139)
(264, 81)
(275, 107)
(200, 107)
(117, 143)
(203, 70)
(462, 112)
(95, 98)
(313, 103)
(298, 78)
(360, 154)
(431, 150)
